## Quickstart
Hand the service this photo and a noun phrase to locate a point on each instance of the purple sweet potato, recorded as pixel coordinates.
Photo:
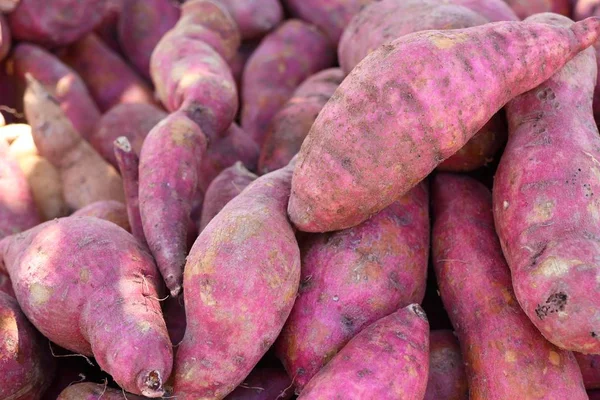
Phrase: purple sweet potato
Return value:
(254, 18)
(108, 210)
(62, 82)
(505, 355)
(546, 206)
(291, 124)
(5, 38)
(284, 58)
(388, 360)
(133, 121)
(352, 278)
(228, 334)
(589, 364)
(227, 185)
(264, 384)
(109, 78)
(94, 391)
(447, 378)
(111, 311)
(26, 366)
(492, 10)
(396, 117)
(526, 8)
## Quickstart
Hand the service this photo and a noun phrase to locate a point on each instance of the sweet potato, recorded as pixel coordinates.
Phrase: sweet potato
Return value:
(234, 315)
(26, 366)
(545, 203)
(5, 38)
(62, 82)
(227, 185)
(505, 355)
(94, 391)
(108, 210)
(352, 278)
(526, 8)
(388, 360)
(254, 18)
(383, 131)
(264, 384)
(133, 121)
(447, 377)
(108, 77)
(284, 58)
(291, 124)
(85, 176)
(492, 10)
(589, 364)
(111, 311)
(63, 23)
(142, 24)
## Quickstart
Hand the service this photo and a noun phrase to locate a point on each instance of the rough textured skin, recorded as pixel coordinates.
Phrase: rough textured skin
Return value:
(62, 82)
(26, 365)
(284, 58)
(85, 176)
(264, 384)
(94, 391)
(133, 121)
(492, 10)
(168, 181)
(141, 26)
(109, 78)
(447, 378)
(505, 355)
(5, 38)
(108, 210)
(382, 131)
(112, 310)
(352, 278)
(63, 23)
(235, 310)
(546, 203)
(254, 18)
(388, 360)
(526, 8)
(589, 364)
(291, 124)
(227, 185)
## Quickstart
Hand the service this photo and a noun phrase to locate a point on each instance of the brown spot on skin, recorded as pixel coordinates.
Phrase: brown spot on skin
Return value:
(555, 303)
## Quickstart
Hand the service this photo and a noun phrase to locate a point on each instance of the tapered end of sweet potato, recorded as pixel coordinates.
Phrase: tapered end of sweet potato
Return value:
(150, 384)
(587, 31)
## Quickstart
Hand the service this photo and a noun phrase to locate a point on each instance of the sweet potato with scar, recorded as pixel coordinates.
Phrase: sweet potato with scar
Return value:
(94, 391)
(492, 10)
(112, 309)
(254, 18)
(589, 364)
(547, 217)
(352, 278)
(291, 124)
(108, 210)
(447, 378)
(284, 58)
(230, 336)
(264, 384)
(384, 130)
(505, 355)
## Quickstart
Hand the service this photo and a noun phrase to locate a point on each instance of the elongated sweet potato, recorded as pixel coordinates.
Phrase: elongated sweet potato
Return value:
(589, 364)
(94, 391)
(383, 131)
(254, 18)
(229, 335)
(62, 82)
(352, 278)
(447, 377)
(388, 360)
(505, 355)
(526, 8)
(546, 216)
(108, 210)
(5, 38)
(492, 10)
(284, 58)
(112, 310)
(291, 124)
(264, 384)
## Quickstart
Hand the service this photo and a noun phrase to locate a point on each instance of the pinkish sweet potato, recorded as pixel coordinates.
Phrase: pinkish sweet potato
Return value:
(492, 10)
(94, 391)
(5, 38)
(291, 124)
(545, 203)
(526, 8)
(62, 82)
(133, 121)
(26, 365)
(352, 278)
(447, 378)
(383, 130)
(227, 185)
(589, 364)
(264, 384)
(284, 58)
(254, 18)
(252, 227)
(388, 360)
(112, 310)
(109, 78)
(505, 355)
(63, 23)
(108, 210)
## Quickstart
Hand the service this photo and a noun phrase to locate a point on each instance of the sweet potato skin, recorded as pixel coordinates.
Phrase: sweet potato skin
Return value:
(108, 210)
(252, 227)
(447, 377)
(368, 147)
(352, 278)
(264, 384)
(254, 18)
(499, 342)
(589, 364)
(546, 216)
(94, 391)
(5, 38)
(492, 10)
(388, 360)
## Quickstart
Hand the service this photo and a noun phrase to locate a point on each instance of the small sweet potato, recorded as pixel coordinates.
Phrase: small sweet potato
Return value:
(589, 364)
(447, 378)
(5, 38)
(94, 391)
(527, 8)
(108, 210)
(254, 18)
(492, 10)
(264, 384)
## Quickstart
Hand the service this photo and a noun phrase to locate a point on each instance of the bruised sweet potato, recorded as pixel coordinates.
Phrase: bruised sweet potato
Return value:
(447, 378)
(492, 10)
(235, 314)
(546, 206)
(526, 8)
(5, 38)
(284, 58)
(112, 309)
(254, 18)
(589, 364)
(264, 384)
(352, 278)
(506, 357)
(108, 210)
(94, 391)
(396, 117)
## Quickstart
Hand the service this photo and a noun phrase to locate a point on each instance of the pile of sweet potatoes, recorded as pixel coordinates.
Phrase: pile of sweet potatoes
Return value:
(299, 199)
